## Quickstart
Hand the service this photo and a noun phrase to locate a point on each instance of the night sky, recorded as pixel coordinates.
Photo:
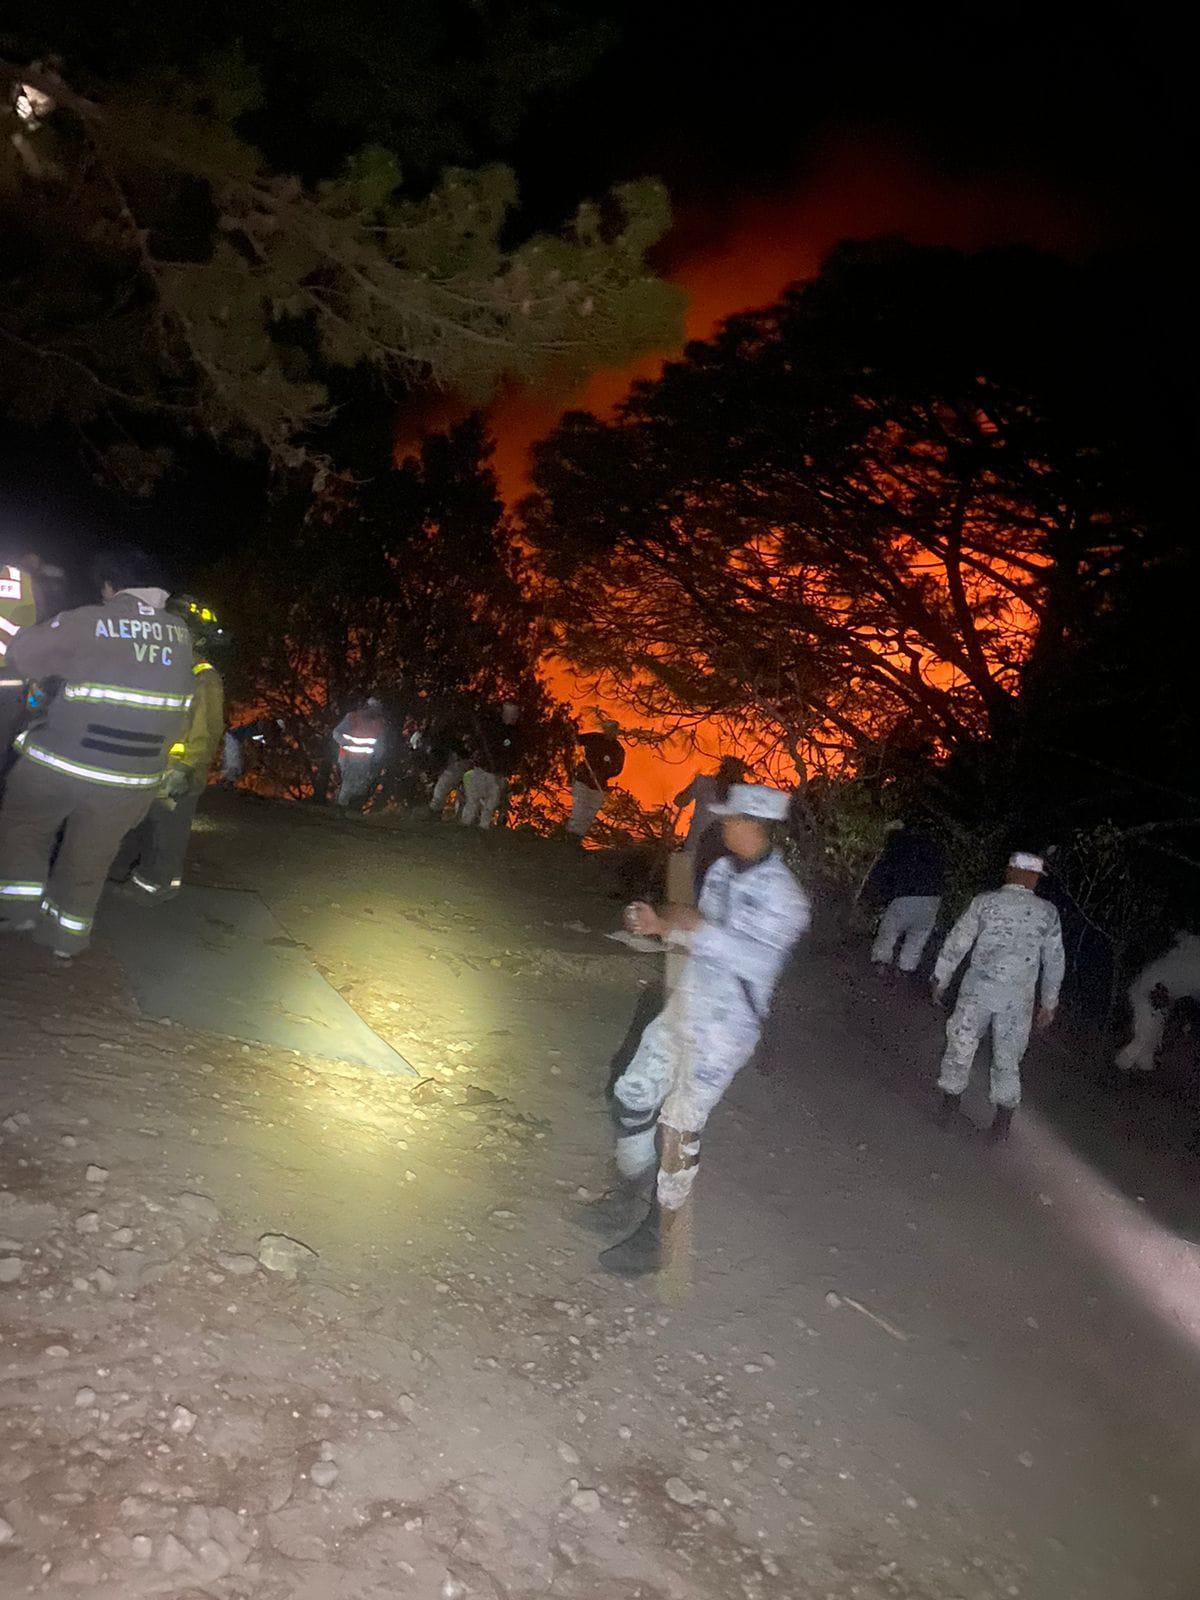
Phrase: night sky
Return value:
(1089, 106)
(778, 129)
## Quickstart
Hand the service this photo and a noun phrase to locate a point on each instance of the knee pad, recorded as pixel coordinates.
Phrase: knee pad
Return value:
(675, 1188)
(631, 1119)
(637, 1140)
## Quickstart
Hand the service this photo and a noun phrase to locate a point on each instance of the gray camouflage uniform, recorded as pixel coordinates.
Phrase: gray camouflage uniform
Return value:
(693, 1049)
(1015, 935)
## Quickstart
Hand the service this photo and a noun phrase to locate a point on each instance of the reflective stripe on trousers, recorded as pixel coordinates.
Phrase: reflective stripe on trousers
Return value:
(39, 805)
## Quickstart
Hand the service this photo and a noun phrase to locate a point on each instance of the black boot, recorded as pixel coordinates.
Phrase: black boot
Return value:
(619, 1209)
(640, 1254)
(948, 1108)
(1001, 1123)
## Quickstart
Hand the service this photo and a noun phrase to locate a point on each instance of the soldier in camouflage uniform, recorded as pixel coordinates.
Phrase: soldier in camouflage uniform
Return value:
(1013, 935)
(751, 913)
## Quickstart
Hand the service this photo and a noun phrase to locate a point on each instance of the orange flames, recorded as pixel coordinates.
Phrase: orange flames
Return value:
(743, 255)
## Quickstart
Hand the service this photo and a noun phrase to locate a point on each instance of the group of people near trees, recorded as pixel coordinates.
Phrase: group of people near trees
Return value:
(476, 754)
(108, 774)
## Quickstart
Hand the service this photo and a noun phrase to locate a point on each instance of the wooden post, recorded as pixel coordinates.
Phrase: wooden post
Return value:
(675, 1280)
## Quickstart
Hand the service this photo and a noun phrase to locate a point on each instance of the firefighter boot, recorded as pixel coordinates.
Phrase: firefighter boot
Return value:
(642, 1253)
(620, 1208)
(1001, 1123)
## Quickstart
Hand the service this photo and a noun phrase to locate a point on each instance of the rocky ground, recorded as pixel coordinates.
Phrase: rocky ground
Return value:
(276, 1327)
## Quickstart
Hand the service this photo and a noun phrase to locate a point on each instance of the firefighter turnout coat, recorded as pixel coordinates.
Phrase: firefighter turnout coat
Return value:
(205, 726)
(92, 762)
(152, 855)
(18, 609)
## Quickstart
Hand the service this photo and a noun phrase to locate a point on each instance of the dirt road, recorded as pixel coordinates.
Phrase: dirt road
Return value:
(905, 1367)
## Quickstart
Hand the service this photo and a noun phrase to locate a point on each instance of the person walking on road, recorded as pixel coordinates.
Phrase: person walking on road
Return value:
(500, 746)
(909, 878)
(361, 741)
(91, 763)
(751, 913)
(1014, 938)
(603, 760)
(151, 857)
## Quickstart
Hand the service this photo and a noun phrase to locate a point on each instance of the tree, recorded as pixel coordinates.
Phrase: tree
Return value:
(438, 82)
(857, 518)
(160, 277)
(405, 586)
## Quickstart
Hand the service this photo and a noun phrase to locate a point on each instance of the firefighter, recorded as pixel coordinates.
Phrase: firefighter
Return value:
(92, 761)
(361, 739)
(18, 609)
(151, 858)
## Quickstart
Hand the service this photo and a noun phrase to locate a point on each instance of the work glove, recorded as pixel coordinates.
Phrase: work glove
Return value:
(177, 782)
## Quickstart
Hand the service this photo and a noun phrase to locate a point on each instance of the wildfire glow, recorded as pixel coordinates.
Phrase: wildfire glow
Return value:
(743, 255)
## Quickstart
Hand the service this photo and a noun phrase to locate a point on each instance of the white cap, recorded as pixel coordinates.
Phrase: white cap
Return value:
(755, 800)
(1024, 862)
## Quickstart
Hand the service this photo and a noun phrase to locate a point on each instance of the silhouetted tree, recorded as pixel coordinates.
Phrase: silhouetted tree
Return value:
(857, 518)
(405, 586)
(160, 276)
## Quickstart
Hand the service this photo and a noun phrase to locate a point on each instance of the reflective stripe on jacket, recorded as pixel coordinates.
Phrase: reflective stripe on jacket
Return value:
(360, 735)
(127, 689)
(18, 609)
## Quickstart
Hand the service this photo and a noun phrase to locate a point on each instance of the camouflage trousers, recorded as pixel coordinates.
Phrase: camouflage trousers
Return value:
(687, 1058)
(1009, 1016)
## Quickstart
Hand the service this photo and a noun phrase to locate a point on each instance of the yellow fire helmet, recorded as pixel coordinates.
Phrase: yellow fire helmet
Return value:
(208, 636)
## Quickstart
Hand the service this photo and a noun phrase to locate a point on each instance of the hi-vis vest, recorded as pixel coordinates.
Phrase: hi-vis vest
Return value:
(126, 672)
(362, 732)
(18, 610)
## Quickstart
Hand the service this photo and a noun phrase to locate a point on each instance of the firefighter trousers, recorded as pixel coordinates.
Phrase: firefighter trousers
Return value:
(93, 819)
(359, 781)
(151, 856)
